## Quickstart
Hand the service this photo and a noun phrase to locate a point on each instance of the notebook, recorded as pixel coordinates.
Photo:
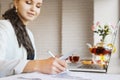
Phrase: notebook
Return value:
(93, 67)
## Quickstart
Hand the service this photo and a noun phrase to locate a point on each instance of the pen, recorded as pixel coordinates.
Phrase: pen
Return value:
(51, 54)
(54, 57)
(65, 56)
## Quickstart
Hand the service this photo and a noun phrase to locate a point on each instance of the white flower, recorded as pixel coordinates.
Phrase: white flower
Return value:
(103, 30)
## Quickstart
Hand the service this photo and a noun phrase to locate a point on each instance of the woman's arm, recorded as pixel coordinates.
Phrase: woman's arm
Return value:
(47, 66)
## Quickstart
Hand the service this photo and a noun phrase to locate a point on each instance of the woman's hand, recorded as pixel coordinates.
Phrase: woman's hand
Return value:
(47, 66)
(53, 66)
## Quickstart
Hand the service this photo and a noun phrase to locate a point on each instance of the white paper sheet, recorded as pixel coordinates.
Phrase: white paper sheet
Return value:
(64, 76)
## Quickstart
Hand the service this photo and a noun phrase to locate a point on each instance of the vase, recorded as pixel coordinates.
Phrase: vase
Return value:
(101, 53)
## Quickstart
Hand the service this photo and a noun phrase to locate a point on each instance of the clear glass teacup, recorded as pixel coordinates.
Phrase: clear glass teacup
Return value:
(74, 58)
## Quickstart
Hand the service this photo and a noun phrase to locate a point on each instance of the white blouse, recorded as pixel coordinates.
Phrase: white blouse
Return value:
(13, 58)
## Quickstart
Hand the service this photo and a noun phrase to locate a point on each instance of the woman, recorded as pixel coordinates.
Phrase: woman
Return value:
(17, 49)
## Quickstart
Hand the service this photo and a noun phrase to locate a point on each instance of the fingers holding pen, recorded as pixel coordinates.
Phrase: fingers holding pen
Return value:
(57, 64)
(60, 65)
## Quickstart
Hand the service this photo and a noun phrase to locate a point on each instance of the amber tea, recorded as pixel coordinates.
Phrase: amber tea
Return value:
(74, 59)
(100, 50)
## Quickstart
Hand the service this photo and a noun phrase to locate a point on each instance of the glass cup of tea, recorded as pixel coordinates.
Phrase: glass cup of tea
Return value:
(74, 58)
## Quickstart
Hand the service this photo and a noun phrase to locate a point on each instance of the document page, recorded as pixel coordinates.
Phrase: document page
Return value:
(39, 76)
(68, 75)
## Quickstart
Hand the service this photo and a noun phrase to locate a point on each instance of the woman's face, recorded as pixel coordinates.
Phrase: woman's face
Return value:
(28, 10)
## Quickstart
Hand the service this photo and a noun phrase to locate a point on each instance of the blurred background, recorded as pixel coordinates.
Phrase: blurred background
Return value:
(65, 25)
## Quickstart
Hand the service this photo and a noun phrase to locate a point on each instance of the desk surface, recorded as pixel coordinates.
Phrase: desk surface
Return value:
(64, 76)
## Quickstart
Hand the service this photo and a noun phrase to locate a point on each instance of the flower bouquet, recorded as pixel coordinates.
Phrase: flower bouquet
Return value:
(103, 30)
